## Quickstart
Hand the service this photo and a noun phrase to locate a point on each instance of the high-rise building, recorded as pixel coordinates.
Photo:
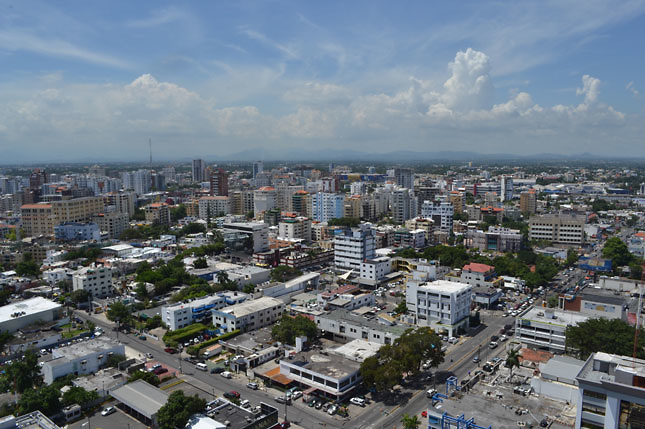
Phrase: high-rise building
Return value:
(157, 213)
(211, 207)
(219, 182)
(440, 212)
(404, 178)
(123, 202)
(353, 206)
(506, 188)
(528, 201)
(326, 206)
(300, 203)
(198, 170)
(258, 167)
(114, 223)
(139, 181)
(37, 178)
(353, 246)
(404, 205)
(458, 200)
(264, 199)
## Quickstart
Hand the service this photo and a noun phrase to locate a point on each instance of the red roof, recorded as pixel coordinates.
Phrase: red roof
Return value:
(267, 188)
(478, 268)
(640, 234)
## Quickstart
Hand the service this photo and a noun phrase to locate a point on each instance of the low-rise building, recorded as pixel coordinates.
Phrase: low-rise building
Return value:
(249, 315)
(141, 400)
(595, 304)
(182, 314)
(344, 326)
(259, 232)
(20, 314)
(477, 275)
(496, 239)
(85, 357)
(560, 229)
(76, 231)
(376, 269)
(114, 223)
(611, 392)
(544, 329)
(440, 304)
(97, 281)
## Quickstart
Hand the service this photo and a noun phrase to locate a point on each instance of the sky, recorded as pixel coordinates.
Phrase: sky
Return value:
(86, 80)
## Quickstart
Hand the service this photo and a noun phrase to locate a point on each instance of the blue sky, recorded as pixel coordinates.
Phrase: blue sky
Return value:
(95, 80)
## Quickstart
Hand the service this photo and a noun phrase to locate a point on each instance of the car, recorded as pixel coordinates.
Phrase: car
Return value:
(217, 370)
(232, 394)
(297, 394)
(160, 371)
(153, 367)
(245, 403)
(285, 424)
(476, 359)
(492, 345)
(424, 414)
(142, 337)
(170, 350)
(503, 338)
(453, 340)
(358, 401)
(319, 405)
(284, 400)
(312, 403)
(332, 410)
(201, 366)
(107, 411)
(149, 355)
(252, 386)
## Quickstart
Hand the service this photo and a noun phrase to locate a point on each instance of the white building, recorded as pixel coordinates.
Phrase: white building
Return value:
(611, 392)
(211, 207)
(561, 229)
(544, 328)
(344, 326)
(264, 199)
(295, 228)
(182, 314)
(97, 281)
(376, 269)
(353, 246)
(24, 313)
(441, 213)
(404, 205)
(249, 315)
(326, 206)
(441, 304)
(85, 357)
(257, 230)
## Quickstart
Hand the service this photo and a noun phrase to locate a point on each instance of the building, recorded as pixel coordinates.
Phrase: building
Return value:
(225, 414)
(141, 400)
(37, 219)
(415, 239)
(348, 297)
(212, 207)
(376, 269)
(242, 202)
(478, 275)
(544, 329)
(458, 201)
(344, 326)
(326, 206)
(138, 181)
(611, 392)
(440, 304)
(113, 223)
(295, 228)
(258, 231)
(595, 304)
(258, 167)
(404, 205)
(506, 188)
(404, 178)
(264, 199)
(528, 201)
(97, 281)
(560, 229)
(85, 357)
(157, 213)
(40, 219)
(497, 239)
(20, 314)
(249, 315)
(353, 207)
(123, 202)
(74, 231)
(300, 202)
(198, 168)
(219, 182)
(427, 225)
(440, 212)
(182, 314)
(353, 246)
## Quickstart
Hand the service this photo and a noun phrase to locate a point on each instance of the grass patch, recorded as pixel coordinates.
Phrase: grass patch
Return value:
(73, 333)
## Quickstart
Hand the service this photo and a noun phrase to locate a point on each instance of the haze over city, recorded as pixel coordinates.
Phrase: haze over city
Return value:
(94, 81)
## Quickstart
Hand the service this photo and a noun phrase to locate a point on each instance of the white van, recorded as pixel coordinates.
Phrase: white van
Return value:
(226, 374)
(201, 366)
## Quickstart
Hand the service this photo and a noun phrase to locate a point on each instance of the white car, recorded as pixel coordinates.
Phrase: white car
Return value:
(108, 411)
(358, 401)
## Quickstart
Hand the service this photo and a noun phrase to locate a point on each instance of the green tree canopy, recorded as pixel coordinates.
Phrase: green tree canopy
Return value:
(200, 263)
(349, 222)
(604, 335)
(46, 399)
(512, 360)
(289, 328)
(119, 312)
(146, 376)
(78, 395)
(178, 409)
(24, 374)
(283, 273)
(410, 421)
(616, 250)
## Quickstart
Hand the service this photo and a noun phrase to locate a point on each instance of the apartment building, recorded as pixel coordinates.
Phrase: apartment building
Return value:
(611, 392)
(123, 202)
(440, 304)
(257, 230)
(114, 223)
(440, 212)
(97, 281)
(211, 207)
(353, 246)
(497, 239)
(374, 270)
(404, 205)
(560, 229)
(249, 315)
(326, 206)
(295, 228)
(157, 213)
(219, 182)
(528, 201)
(182, 314)
(37, 219)
(264, 199)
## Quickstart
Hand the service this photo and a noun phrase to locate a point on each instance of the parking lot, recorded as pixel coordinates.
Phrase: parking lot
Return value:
(118, 419)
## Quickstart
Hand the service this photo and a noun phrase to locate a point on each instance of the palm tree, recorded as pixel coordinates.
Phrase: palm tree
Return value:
(410, 422)
(512, 360)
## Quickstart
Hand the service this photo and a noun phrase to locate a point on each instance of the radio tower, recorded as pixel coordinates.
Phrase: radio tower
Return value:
(150, 145)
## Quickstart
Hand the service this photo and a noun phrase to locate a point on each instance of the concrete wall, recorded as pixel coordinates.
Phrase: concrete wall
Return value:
(559, 391)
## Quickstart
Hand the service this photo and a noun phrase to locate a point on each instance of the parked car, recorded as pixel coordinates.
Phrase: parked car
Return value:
(142, 337)
(332, 410)
(245, 403)
(284, 399)
(232, 395)
(153, 367)
(492, 344)
(217, 370)
(160, 371)
(253, 386)
(201, 366)
(358, 401)
(170, 350)
(108, 411)
(149, 355)
(295, 395)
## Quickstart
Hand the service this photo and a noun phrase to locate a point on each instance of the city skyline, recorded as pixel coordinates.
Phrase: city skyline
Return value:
(95, 82)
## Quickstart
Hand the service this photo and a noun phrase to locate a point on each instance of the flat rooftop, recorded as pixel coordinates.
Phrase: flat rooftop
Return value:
(84, 348)
(358, 350)
(328, 364)
(253, 306)
(142, 397)
(29, 306)
(445, 286)
(604, 367)
(564, 318)
(342, 315)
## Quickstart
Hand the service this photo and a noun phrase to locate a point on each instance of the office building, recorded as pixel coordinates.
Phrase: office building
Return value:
(264, 199)
(544, 328)
(212, 207)
(76, 231)
(442, 305)
(198, 168)
(326, 206)
(258, 231)
(123, 202)
(558, 229)
(506, 188)
(258, 167)
(497, 239)
(40, 219)
(96, 281)
(295, 228)
(249, 315)
(344, 326)
(19, 314)
(37, 219)
(440, 212)
(404, 178)
(114, 223)
(353, 246)
(528, 201)
(157, 213)
(85, 357)
(611, 392)
(182, 314)
(219, 182)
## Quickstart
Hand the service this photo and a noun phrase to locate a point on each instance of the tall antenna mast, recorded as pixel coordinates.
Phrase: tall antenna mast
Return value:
(150, 144)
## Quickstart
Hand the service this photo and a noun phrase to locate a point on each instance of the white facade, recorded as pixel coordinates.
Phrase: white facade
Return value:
(258, 230)
(375, 269)
(249, 315)
(544, 328)
(180, 315)
(563, 229)
(297, 228)
(352, 247)
(264, 199)
(441, 304)
(345, 326)
(214, 206)
(97, 281)
(24, 313)
(441, 213)
(404, 205)
(85, 357)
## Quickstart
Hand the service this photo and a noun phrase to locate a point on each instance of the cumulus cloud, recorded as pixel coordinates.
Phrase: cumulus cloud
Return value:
(630, 87)
(469, 87)
(590, 89)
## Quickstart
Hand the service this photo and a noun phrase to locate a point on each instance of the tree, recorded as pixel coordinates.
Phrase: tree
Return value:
(146, 376)
(78, 395)
(282, 273)
(120, 313)
(410, 421)
(401, 308)
(512, 360)
(572, 258)
(178, 409)
(28, 268)
(114, 360)
(200, 263)
(45, 399)
(552, 301)
(5, 338)
(141, 290)
(79, 296)
(248, 288)
(23, 375)
(603, 335)
(177, 212)
(616, 250)
(348, 222)
(289, 328)
(5, 294)
(154, 322)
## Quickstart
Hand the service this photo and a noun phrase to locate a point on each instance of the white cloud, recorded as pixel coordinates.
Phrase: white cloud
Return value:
(157, 18)
(590, 89)
(469, 87)
(630, 87)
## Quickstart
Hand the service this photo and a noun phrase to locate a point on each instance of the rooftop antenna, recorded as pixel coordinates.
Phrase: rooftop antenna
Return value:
(150, 145)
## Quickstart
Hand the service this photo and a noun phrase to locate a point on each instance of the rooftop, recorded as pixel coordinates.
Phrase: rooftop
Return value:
(342, 315)
(84, 348)
(609, 368)
(445, 286)
(253, 306)
(558, 317)
(478, 268)
(28, 306)
(358, 350)
(325, 363)
(142, 397)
